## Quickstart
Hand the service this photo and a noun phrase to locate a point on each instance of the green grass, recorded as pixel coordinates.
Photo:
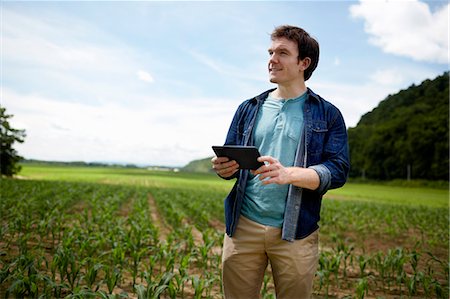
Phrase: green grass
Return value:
(438, 198)
(115, 175)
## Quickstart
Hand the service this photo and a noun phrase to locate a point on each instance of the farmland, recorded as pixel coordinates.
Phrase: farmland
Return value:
(132, 233)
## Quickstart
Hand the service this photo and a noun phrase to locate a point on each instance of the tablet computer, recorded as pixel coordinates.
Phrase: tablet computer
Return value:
(245, 156)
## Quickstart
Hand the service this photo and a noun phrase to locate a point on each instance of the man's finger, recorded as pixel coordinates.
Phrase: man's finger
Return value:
(269, 159)
(220, 160)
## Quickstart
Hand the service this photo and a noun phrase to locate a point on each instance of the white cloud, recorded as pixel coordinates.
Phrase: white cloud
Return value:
(388, 77)
(145, 76)
(406, 28)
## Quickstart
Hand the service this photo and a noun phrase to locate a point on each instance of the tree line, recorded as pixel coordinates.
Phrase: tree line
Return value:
(406, 136)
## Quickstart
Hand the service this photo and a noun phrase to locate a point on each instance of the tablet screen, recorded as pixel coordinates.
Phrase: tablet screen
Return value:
(245, 156)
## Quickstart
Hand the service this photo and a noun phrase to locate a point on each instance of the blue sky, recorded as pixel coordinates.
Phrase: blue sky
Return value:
(157, 83)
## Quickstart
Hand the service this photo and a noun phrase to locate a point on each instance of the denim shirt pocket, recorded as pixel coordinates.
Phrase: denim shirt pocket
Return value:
(319, 130)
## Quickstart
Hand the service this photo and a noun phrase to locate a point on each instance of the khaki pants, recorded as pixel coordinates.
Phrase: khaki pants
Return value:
(246, 256)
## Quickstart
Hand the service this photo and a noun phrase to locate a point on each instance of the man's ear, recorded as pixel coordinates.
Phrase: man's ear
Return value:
(304, 63)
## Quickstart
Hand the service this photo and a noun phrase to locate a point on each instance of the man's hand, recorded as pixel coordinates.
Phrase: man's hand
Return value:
(224, 167)
(275, 173)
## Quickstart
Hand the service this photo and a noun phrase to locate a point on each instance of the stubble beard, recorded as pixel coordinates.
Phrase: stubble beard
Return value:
(273, 80)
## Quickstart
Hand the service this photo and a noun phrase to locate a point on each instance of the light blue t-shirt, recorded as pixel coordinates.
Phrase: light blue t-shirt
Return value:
(278, 127)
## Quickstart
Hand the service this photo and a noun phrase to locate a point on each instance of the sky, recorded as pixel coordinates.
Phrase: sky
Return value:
(158, 82)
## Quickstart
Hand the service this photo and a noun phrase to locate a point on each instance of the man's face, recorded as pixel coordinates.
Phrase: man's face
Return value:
(284, 65)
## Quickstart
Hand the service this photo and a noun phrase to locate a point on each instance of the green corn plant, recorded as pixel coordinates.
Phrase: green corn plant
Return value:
(378, 262)
(334, 264)
(161, 255)
(399, 261)
(199, 286)
(152, 260)
(134, 242)
(73, 275)
(21, 288)
(363, 261)
(136, 258)
(112, 277)
(210, 279)
(189, 239)
(362, 288)
(346, 251)
(426, 282)
(118, 256)
(59, 264)
(413, 281)
(25, 277)
(5, 270)
(183, 273)
(51, 288)
(91, 273)
(440, 291)
(154, 289)
(104, 295)
(81, 293)
(65, 262)
(205, 248)
(180, 281)
(170, 261)
(324, 272)
(445, 265)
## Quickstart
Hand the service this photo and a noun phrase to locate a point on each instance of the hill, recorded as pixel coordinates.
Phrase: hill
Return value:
(406, 136)
(202, 165)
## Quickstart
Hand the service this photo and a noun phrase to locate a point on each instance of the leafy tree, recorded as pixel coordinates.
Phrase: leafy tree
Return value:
(9, 157)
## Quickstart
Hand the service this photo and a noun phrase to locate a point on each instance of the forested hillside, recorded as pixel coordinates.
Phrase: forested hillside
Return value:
(406, 136)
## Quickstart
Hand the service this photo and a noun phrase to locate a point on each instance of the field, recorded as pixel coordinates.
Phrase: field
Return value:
(132, 233)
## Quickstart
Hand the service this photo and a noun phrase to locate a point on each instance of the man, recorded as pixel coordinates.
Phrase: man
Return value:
(271, 214)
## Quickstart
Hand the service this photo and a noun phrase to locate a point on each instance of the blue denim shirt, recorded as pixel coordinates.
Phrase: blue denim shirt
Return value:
(324, 148)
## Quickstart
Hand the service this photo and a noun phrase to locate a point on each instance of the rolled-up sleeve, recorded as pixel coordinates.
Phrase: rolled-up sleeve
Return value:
(324, 176)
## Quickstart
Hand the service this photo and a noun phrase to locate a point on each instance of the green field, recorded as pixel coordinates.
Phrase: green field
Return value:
(82, 232)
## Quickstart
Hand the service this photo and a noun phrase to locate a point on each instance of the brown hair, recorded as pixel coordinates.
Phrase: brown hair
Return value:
(307, 46)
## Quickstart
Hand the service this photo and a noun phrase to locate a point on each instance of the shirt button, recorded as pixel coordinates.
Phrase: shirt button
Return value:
(296, 207)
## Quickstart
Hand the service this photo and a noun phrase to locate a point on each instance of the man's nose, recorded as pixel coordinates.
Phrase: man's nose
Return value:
(273, 58)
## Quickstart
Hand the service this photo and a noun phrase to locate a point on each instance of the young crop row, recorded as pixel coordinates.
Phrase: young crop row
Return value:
(83, 240)
(424, 225)
(397, 272)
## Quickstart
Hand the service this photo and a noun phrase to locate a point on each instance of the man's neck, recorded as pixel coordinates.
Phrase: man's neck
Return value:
(289, 92)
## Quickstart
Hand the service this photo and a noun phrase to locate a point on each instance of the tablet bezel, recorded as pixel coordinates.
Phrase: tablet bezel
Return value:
(245, 156)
